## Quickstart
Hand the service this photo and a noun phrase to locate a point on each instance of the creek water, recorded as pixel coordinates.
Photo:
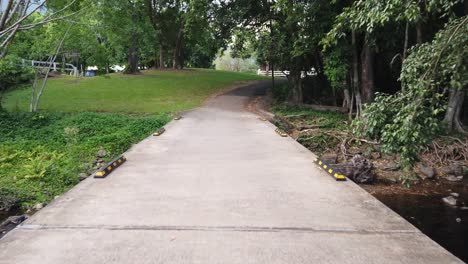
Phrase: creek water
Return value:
(446, 225)
(3, 216)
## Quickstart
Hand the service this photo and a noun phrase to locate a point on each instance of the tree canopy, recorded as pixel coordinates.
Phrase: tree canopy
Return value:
(398, 67)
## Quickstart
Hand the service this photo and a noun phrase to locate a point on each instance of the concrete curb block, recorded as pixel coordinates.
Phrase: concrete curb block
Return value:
(281, 132)
(332, 172)
(159, 132)
(111, 166)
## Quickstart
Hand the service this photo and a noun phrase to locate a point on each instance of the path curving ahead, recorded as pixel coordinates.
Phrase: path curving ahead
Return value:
(220, 186)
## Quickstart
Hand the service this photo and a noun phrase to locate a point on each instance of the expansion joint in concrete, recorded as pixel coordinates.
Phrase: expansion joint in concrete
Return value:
(213, 229)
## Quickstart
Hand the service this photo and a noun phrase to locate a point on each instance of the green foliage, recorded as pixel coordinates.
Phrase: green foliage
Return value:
(280, 92)
(407, 121)
(42, 155)
(409, 179)
(337, 66)
(12, 73)
(371, 15)
(286, 33)
(226, 62)
(441, 64)
(403, 125)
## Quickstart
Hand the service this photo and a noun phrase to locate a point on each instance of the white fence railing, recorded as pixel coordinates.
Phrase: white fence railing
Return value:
(277, 73)
(286, 73)
(54, 66)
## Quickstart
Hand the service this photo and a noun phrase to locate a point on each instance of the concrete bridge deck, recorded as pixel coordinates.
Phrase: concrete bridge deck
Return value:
(220, 186)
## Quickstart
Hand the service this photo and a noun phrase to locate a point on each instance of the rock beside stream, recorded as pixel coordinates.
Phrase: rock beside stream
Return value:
(450, 200)
(358, 169)
(10, 223)
(452, 178)
(426, 172)
(455, 170)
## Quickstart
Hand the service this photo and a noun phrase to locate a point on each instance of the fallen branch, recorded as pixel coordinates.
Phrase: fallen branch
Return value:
(293, 116)
(322, 107)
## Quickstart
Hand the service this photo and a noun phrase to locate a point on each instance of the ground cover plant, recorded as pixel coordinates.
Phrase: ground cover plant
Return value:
(41, 155)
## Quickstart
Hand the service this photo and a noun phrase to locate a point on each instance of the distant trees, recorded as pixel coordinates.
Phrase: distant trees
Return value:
(226, 62)
(122, 27)
(392, 63)
(182, 27)
(285, 35)
(138, 33)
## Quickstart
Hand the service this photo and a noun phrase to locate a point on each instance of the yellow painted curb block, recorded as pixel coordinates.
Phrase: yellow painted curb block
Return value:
(335, 174)
(159, 132)
(106, 170)
(281, 132)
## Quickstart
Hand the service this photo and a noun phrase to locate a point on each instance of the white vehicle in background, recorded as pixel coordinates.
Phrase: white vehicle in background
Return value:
(117, 68)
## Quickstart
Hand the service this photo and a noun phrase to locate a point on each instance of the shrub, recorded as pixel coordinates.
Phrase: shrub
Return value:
(12, 73)
(280, 92)
(41, 155)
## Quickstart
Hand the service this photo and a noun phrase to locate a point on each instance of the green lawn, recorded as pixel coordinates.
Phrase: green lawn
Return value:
(151, 92)
(42, 154)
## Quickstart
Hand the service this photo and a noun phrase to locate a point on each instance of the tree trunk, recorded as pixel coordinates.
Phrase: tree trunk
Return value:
(319, 63)
(177, 56)
(133, 57)
(5, 13)
(351, 106)
(452, 116)
(355, 77)
(405, 44)
(33, 92)
(358, 103)
(272, 76)
(296, 96)
(161, 56)
(367, 58)
(419, 33)
(50, 61)
(347, 98)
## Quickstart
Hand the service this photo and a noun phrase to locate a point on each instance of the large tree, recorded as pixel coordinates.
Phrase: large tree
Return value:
(286, 35)
(124, 26)
(183, 29)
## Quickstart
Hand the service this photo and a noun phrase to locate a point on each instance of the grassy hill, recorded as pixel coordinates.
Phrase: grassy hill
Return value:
(43, 154)
(150, 92)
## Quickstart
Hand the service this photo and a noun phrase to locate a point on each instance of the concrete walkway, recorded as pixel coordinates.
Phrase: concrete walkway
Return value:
(220, 186)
